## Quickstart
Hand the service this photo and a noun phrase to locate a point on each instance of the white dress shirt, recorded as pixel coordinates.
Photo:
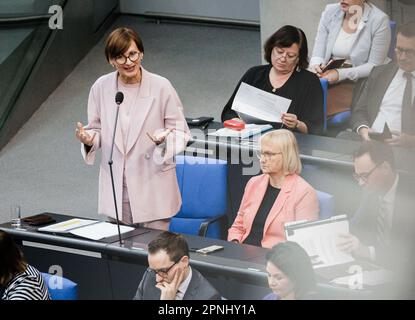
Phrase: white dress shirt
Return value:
(391, 107)
(183, 286)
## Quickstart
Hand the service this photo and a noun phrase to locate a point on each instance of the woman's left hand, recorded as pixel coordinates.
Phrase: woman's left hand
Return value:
(290, 120)
(332, 76)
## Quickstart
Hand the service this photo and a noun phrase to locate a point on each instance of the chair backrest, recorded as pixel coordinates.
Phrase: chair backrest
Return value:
(391, 53)
(60, 288)
(203, 185)
(326, 203)
(325, 85)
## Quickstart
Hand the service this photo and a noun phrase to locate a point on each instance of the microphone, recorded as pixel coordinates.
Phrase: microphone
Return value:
(119, 98)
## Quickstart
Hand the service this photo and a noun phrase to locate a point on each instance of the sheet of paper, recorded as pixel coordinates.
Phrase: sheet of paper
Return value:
(319, 241)
(66, 226)
(250, 130)
(100, 230)
(370, 278)
(259, 103)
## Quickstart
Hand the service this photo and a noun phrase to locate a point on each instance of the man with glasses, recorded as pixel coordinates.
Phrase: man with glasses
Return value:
(169, 276)
(382, 227)
(388, 95)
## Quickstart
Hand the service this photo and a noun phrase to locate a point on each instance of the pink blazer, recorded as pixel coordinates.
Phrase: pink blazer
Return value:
(297, 200)
(150, 174)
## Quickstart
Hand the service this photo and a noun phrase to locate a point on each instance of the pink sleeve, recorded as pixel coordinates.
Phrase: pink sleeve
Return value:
(94, 126)
(307, 208)
(237, 230)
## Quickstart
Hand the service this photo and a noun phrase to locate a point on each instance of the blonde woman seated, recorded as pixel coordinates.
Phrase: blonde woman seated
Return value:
(277, 196)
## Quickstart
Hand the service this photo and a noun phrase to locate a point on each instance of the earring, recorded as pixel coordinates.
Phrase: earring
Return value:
(298, 69)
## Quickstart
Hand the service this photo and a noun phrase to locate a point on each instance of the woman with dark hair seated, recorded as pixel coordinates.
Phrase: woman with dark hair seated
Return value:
(19, 280)
(285, 75)
(290, 274)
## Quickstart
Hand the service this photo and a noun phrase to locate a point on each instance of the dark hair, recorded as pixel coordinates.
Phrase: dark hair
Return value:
(295, 263)
(11, 259)
(119, 41)
(407, 29)
(174, 244)
(379, 152)
(286, 37)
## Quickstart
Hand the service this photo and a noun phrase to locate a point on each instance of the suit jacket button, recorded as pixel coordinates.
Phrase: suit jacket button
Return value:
(147, 156)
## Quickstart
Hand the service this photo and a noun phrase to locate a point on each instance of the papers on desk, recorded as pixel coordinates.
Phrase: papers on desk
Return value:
(89, 229)
(318, 238)
(250, 130)
(259, 104)
(369, 278)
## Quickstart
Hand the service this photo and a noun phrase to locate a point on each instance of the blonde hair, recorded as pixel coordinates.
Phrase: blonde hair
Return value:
(287, 142)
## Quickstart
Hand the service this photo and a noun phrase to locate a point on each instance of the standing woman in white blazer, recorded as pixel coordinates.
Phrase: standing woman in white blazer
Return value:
(150, 131)
(355, 30)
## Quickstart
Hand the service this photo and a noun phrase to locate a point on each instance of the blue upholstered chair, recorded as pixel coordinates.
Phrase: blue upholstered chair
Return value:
(326, 202)
(343, 117)
(60, 288)
(202, 183)
(325, 85)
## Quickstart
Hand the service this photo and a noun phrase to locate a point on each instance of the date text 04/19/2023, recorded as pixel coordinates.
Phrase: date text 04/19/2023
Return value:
(208, 309)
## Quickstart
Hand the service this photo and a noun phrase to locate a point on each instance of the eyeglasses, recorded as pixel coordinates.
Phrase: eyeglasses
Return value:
(164, 271)
(408, 52)
(365, 175)
(279, 53)
(133, 56)
(266, 155)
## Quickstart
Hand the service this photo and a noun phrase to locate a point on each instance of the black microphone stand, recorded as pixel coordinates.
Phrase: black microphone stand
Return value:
(118, 100)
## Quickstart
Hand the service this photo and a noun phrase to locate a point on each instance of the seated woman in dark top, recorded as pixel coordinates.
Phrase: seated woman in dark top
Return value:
(286, 75)
(18, 280)
(290, 274)
(277, 196)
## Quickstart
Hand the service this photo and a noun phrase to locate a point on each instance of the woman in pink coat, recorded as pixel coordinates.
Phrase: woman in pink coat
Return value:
(151, 130)
(277, 196)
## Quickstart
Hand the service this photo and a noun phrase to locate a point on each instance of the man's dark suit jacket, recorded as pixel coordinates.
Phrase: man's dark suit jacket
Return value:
(199, 288)
(399, 256)
(367, 104)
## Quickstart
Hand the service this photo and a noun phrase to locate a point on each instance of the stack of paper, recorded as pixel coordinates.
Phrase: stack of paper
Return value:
(90, 229)
(318, 238)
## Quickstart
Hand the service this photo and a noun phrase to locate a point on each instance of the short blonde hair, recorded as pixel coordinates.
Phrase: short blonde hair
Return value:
(287, 142)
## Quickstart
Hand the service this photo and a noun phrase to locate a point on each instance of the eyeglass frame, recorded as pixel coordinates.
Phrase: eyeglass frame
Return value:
(266, 155)
(365, 175)
(408, 52)
(164, 271)
(286, 56)
(129, 57)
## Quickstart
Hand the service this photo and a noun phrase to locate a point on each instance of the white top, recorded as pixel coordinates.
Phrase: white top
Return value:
(130, 92)
(183, 286)
(391, 107)
(344, 45)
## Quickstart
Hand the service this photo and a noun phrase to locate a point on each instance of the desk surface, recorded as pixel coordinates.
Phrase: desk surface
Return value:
(312, 148)
(240, 261)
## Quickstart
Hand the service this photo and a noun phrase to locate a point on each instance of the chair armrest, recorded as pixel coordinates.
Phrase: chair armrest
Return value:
(204, 225)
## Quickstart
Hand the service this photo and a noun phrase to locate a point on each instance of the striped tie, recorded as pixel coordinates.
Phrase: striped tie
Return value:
(382, 227)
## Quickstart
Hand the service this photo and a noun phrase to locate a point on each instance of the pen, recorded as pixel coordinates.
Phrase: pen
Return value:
(205, 125)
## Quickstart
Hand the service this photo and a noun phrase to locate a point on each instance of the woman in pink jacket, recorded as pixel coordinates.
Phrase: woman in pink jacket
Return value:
(150, 131)
(277, 196)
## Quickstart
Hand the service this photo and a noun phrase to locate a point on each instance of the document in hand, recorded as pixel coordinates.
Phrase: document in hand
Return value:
(259, 104)
(90, 229)
(250, 130)
(318, 238)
